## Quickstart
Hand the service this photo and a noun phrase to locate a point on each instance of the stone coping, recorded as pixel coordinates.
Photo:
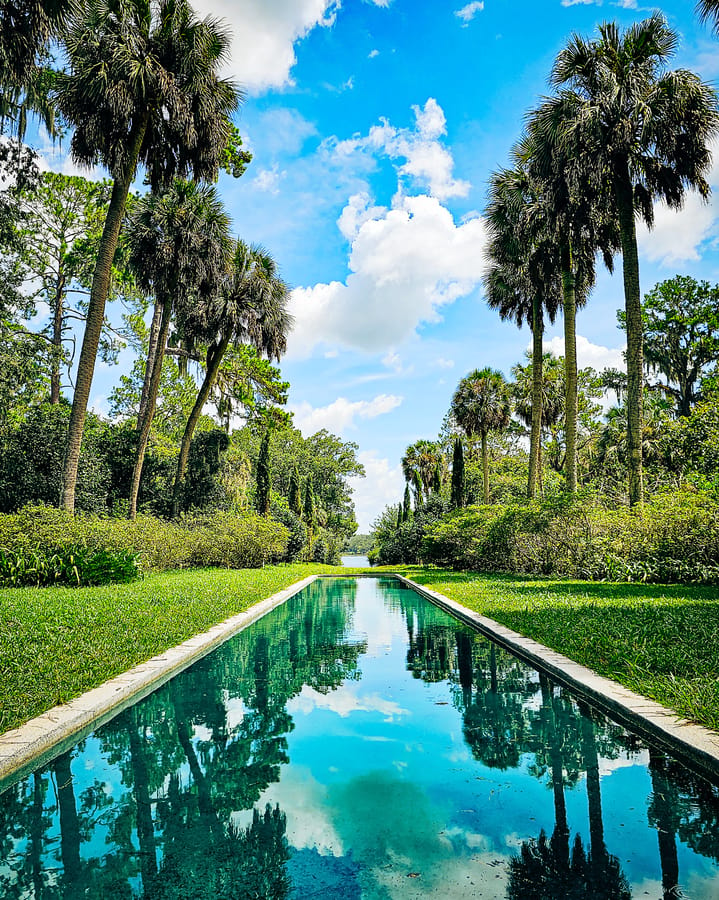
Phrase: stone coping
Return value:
(44, 737)
(58, 729)
(694, 745)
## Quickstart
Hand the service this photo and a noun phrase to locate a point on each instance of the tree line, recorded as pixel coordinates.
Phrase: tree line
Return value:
(140, 93)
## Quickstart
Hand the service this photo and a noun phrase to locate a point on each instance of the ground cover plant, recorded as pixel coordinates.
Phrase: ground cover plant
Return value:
(56, 643)
(657, 640)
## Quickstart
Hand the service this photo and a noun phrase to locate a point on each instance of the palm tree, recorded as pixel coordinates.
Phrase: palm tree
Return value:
(552, 394)
(179, 246)
(708, 11)
(564, 195)
(646, 132)
(418, 464)
(141, 88)
(250, 308)
(480, 405)
(26, 29)
(522, 281)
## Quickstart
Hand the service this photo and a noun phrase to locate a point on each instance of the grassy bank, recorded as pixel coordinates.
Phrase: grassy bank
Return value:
(56, 643)
(657, 640)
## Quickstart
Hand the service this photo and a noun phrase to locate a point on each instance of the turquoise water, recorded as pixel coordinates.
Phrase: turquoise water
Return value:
(359, 743)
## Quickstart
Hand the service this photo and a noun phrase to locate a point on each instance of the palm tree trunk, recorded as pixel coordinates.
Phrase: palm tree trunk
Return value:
(141, 790)
(214, 358)
(569, 300)
(144, 425)
(154, 338)
(57, 339)
(69, 825)
(485, 467)
(664, 815)
(96, 314)
(534, 443)
(635, 353)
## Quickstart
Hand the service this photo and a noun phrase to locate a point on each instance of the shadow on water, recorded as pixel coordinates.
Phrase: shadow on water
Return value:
(165, 801)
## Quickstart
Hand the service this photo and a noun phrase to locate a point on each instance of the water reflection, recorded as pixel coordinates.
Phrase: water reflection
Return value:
(357, 742)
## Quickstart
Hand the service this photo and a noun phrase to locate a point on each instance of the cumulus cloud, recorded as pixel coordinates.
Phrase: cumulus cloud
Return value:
(264, 34)
(468, 12)
(427, 162)
(340, 415)
(405, 263)
(382, 485)
(589, 354)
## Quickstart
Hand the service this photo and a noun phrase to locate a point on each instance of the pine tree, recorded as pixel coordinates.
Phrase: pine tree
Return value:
(264, 478)
(295, 493)
(407, 504)
(399, 516)
(458, 474)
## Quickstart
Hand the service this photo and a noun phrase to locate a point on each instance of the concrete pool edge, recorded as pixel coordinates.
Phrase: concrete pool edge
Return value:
(42, 738)
(692, 743)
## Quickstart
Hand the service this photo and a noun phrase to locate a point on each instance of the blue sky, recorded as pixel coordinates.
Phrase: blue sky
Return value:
(374, 126)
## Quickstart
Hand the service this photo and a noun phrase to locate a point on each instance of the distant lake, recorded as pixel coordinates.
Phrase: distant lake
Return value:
(355, 561)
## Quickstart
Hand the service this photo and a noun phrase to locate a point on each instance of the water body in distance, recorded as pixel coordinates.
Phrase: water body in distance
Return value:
(360, 743)
(355, 561)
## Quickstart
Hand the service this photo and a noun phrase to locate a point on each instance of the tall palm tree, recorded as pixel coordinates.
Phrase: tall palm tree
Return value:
(141, 88)
(26, 29)
(250, 308)
(481, 404)
(551, 392)
(179, 246)
(418, 464)
(708, 11)
(564, 195)
(522, 282)
(645, 131)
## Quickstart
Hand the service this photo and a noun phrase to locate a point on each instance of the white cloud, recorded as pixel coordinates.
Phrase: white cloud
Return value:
(372, 54)
(468, 12)
(405, 264)
(340, 415)
(427, 162)
(443, 363)
(589, 354)
(678, 234)
(264, 33)
(382, 485)
(344, 701)
(268, 180)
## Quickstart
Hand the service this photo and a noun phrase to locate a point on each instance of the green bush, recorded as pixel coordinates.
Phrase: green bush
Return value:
(73, 566)
(219, 539)
(674, 538)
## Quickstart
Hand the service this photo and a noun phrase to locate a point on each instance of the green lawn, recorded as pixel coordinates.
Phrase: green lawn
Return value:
(56, 643)
(660, 641)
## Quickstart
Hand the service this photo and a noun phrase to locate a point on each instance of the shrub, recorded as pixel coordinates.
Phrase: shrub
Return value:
(219, 539)
(675, 538)
(74, 566)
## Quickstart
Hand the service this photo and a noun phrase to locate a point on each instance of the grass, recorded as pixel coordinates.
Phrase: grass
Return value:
(56, 643)
(660, 641)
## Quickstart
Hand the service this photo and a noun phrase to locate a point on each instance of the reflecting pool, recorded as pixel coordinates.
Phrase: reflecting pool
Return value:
(358, 742)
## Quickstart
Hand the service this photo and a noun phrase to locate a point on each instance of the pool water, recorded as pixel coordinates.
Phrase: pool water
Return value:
(358, 742)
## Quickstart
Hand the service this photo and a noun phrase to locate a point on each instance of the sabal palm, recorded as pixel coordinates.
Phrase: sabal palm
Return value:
(26, 28)
(251, 308)
(564, 195)
(419, 462)
(645, 131)
(180, 248)
(481, 404)
(141, 88)
(708, 11)
(522, 282)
